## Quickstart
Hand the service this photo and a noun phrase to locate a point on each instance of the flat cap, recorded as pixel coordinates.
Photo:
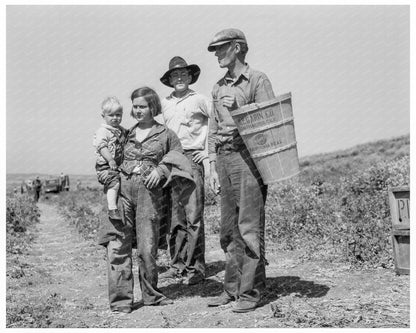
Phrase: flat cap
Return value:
(226, 36)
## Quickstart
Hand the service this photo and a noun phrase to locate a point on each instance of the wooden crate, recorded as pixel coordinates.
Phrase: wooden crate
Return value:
(399, 199)
(401, 250)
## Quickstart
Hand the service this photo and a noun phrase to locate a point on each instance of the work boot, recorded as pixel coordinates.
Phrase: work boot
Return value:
(171, 273)
(242, 306)
(114, 214)
(223, 299)
(193, 279)
(163, 302)
(122, 309)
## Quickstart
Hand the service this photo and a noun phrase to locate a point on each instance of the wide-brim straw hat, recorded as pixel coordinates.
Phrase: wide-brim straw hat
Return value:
(179, 63)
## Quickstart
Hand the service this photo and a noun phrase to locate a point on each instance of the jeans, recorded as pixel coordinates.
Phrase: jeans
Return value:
(140, 209)
(243, 197)
(186, 239)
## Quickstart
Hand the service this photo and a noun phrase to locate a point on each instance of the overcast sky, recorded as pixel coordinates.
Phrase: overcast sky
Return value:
(347, 68)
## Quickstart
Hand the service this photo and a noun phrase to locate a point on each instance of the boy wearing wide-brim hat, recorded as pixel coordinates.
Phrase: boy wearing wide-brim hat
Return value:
(243, 193)
(186, 112)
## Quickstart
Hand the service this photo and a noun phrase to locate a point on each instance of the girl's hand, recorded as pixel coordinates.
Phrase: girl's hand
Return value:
(153, 179)
(113, 165)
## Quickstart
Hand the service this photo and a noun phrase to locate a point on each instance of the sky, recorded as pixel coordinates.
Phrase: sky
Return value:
(347, 67)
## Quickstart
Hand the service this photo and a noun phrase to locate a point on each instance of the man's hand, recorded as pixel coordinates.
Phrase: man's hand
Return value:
(214, 181)
(153, 179)
(199, 156)
(229, 102)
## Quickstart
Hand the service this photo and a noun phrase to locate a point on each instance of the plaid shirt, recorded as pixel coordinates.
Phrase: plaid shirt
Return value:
(151, 151)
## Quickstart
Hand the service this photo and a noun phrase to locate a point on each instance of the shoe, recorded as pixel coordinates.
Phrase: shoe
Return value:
(223, 299)
(244, 306)
(171, 273)
(114, 214)
(193, 279)
(165, 301)
(122, 309)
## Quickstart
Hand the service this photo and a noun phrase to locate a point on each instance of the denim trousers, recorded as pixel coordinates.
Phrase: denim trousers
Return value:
(141, 216)
(243, 198)
(187, 237)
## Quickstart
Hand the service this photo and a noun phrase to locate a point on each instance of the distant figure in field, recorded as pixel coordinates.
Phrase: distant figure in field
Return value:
(108, 143)
(37, 188)
(62, 178)
(78, 185)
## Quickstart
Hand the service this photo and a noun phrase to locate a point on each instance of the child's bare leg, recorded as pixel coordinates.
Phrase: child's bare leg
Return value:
(112, 194)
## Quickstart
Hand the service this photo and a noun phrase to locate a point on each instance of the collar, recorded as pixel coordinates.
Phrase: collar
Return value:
(190, 92)
(156, 129)
(246, 73)
(111, 128)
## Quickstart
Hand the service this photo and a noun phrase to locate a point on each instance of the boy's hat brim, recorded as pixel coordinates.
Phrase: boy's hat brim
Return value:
(179, 63)
(226, 36)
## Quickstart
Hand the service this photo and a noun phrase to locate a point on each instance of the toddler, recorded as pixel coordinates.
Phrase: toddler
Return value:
(108, 143)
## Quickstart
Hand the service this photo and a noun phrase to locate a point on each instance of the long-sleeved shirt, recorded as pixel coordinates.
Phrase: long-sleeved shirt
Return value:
(159, 142)
(251, 86)
(111, 138)
(188, 118)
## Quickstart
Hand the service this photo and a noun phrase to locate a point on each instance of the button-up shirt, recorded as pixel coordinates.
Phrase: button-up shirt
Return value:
(153, 148)
(251, 86)
(188, 118)
(111, 138)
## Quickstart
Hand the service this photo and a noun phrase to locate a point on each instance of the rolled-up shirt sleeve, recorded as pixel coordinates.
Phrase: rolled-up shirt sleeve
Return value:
(264, 91)
(101, 139)
(173, 144)
(212, 134)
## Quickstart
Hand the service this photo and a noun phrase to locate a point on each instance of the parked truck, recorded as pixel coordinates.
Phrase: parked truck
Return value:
(56, 184)
(52, 185)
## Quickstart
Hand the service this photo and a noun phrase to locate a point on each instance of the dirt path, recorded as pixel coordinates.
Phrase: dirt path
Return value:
(299, 294)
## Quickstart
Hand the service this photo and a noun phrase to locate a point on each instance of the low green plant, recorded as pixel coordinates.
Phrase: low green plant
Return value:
(349, 219)
(22, 215)
(83, 209)
(299, 216)
(366, 211)
(37, 313)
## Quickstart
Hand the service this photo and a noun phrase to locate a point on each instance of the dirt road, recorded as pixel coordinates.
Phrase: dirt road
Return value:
(72, 271)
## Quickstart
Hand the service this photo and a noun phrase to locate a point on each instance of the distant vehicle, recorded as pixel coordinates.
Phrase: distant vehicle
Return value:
(56, 184)
(52, 185)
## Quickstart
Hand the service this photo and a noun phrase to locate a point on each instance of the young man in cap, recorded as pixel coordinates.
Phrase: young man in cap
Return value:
(232, 171)
(186, 113)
